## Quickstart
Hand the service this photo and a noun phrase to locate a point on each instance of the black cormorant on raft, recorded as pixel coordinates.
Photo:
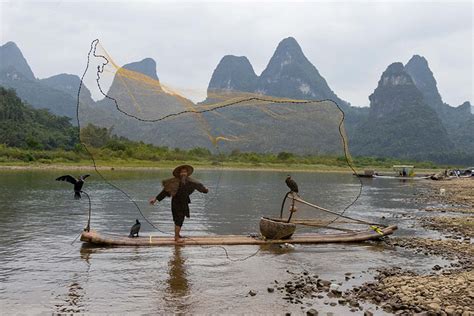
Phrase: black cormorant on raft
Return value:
(135, 229)
(291, 184)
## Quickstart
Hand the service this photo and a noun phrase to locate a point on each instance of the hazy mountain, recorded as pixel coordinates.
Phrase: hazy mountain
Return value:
(400, 123)
(289, 74)
(245, 128)
(421, 74)
(140, 98)
(66, 83)
(146, 66)
(406, 118)
(298, 128)
(460, 127)
(11, 57)
(458, 121)
(15, 73)
(232, 74)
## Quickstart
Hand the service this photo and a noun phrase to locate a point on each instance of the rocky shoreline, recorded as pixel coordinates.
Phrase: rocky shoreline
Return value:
(453, 195)
(446, 290)
(406, 293)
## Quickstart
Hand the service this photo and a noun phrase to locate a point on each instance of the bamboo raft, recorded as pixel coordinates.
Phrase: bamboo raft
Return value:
(102, 239)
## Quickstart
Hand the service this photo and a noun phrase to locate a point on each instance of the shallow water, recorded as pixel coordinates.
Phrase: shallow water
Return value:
(43, 273)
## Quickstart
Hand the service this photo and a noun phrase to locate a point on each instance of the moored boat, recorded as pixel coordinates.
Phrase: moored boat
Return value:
(402, 177)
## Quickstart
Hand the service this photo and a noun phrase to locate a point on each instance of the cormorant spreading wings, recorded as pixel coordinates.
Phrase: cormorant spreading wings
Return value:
(78, 183)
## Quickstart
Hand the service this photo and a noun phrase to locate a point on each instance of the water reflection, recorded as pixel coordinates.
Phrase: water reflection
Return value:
(86, 252)
(74, 300)
(41, 275)
(178, 288)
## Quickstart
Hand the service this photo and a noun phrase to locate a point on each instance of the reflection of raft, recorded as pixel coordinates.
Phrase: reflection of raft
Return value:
(271, 229)
(115, 240)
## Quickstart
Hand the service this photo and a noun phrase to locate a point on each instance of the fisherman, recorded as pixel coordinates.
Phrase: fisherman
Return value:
(179, 188)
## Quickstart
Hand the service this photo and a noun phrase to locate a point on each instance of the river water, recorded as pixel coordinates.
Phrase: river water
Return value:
(42, 271)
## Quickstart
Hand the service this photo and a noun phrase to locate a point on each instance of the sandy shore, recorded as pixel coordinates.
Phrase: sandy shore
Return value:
(454, 195)
(102, 167)
(147, 165)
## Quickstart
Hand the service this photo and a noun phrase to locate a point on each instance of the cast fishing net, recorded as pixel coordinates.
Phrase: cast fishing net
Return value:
(142, 121)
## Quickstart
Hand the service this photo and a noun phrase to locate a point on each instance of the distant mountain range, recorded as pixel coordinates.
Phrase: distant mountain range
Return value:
(289, 74)
(406, 118)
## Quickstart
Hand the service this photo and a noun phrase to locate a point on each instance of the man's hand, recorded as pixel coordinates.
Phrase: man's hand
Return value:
(152, 201)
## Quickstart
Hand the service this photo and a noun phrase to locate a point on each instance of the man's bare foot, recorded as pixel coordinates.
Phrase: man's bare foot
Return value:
(178, 239)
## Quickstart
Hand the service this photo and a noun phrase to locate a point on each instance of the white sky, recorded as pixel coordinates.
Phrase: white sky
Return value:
(350, 43)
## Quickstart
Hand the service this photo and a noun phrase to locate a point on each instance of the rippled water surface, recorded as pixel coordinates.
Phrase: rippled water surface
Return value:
(41, 272)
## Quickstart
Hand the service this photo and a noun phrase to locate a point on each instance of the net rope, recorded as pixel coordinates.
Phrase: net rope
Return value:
(197, 111)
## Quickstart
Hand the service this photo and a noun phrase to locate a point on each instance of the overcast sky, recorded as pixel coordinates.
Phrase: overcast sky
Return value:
(350, 43)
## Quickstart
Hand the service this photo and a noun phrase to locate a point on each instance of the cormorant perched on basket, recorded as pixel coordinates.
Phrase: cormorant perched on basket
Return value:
(291, 184)
(135, 229)
(78, 183)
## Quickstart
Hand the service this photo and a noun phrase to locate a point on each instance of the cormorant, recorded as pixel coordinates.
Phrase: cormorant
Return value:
(78, 183)
(291, 184)
(135, 229)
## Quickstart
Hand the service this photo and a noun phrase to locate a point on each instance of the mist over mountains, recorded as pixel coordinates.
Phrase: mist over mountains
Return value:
(407, 117)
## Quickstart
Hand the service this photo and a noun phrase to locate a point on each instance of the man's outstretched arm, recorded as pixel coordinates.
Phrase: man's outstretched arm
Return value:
(159, 197)
(201, 188)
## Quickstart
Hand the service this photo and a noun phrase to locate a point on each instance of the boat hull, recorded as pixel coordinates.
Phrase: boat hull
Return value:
(402, 178)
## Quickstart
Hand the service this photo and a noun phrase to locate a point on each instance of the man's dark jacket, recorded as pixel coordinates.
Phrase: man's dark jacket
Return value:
(179, 193)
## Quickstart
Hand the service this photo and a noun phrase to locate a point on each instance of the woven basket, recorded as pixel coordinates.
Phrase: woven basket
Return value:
(271, 229)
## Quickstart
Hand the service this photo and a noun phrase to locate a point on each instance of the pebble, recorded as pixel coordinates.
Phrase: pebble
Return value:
(334, 287)
(312, 312)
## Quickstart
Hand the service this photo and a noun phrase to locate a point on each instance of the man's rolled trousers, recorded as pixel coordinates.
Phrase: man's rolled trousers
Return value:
(179, 193)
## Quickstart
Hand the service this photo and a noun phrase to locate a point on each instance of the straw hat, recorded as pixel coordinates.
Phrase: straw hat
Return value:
(177, 170)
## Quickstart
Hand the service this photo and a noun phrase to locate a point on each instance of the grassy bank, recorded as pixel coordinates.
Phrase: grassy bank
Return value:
(146, 156)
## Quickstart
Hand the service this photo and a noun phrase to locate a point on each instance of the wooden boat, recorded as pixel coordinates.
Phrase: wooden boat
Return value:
(366, 174)
(271, 229)
(93, 237)
(363, 175)
(402, 177)
(403, 172)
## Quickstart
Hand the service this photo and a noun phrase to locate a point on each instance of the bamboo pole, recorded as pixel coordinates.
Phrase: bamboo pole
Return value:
(332, 212)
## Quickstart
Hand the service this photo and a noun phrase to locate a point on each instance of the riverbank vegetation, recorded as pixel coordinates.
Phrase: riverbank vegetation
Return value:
(31, 136)
(126, 153)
